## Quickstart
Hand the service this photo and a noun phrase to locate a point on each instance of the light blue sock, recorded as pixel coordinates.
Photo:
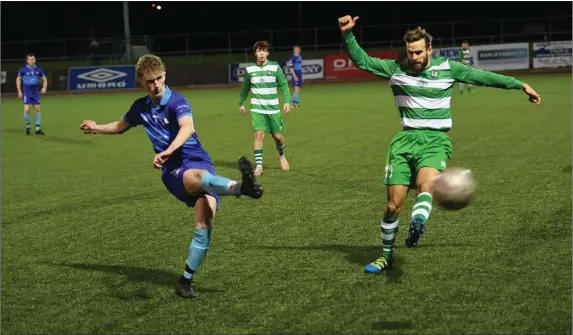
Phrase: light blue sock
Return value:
(38, 121)
(197, 251)
(219, 185)
(27, 118)
(295, 99)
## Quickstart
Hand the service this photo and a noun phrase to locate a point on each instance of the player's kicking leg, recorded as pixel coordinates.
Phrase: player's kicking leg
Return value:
(432, 157)
(423, 206)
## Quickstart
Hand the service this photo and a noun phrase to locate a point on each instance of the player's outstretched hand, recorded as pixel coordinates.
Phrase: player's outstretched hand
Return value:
(43, 91)
(242, 110)
(88, 126)
(286, 108)
(533, 96)
(161, 158)
(346, 23)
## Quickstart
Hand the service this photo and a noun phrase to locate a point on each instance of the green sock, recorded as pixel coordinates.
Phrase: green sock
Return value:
(389, 227)
(259, 157)
(423, 206)
(280, 149)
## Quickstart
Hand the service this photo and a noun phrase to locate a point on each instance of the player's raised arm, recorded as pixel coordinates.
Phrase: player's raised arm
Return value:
(380, 67)
(470, 75)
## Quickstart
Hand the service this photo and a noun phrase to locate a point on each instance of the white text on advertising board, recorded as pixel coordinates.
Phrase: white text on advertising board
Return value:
(342, 63)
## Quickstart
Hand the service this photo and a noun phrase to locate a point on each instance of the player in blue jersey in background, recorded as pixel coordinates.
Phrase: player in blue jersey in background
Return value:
(28, 85)
(295, 64)
(186, 168)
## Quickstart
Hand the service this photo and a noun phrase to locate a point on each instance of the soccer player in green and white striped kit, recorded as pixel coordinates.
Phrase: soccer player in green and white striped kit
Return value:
(422, 88)
(467, 60)
(261, 80)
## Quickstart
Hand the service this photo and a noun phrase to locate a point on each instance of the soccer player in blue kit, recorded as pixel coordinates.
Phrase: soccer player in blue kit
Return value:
(187, 170)
(28, 85)
(295, 63)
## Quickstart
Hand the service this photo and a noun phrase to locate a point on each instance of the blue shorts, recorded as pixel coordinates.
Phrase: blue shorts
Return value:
(31, 98)
(297, 83)
(173, 180)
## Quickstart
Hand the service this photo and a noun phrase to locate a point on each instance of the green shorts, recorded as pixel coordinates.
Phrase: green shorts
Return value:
(270, 123)
(411, 150)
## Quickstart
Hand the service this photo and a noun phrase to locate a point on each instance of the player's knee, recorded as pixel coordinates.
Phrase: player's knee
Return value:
(278, 138)
(192, 180)
(205, 224)
(424, 187)
(259, 135)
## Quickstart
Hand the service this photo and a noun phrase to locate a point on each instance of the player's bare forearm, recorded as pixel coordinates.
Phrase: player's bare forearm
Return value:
(184, 134)
(479, 77)
(45, 83)
(19, 84)
(108, 129)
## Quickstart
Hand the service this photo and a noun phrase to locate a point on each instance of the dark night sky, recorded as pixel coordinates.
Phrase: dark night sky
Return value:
(76, 19)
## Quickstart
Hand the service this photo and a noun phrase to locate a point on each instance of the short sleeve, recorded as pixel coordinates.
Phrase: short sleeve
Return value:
(41, 73)
(20, 73)
(133, 117)
(180, 108)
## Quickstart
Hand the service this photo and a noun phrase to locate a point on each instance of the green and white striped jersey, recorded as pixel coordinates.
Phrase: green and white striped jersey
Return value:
(465, 54)
(262, 82)
(424, 99)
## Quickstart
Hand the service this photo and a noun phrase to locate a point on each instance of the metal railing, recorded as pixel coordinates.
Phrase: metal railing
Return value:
(388, 36)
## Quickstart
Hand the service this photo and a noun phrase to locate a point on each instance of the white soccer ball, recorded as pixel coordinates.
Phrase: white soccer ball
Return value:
(454, 188)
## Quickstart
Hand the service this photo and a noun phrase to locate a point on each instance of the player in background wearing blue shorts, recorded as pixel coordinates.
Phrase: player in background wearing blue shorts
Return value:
(28, 85)
(295, 64)
(186, 168)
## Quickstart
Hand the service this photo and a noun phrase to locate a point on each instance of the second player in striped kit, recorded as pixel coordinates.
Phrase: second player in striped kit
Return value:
(422, 88)
(261, 80)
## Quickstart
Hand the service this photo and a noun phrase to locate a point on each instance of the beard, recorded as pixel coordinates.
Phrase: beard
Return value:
(419, 65)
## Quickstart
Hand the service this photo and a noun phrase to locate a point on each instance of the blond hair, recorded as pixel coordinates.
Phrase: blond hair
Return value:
(148, 63)
(414, 35)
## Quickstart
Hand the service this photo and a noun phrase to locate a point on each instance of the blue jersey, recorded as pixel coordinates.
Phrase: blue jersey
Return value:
(161, 124)
(30, 77)
(296, 63)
